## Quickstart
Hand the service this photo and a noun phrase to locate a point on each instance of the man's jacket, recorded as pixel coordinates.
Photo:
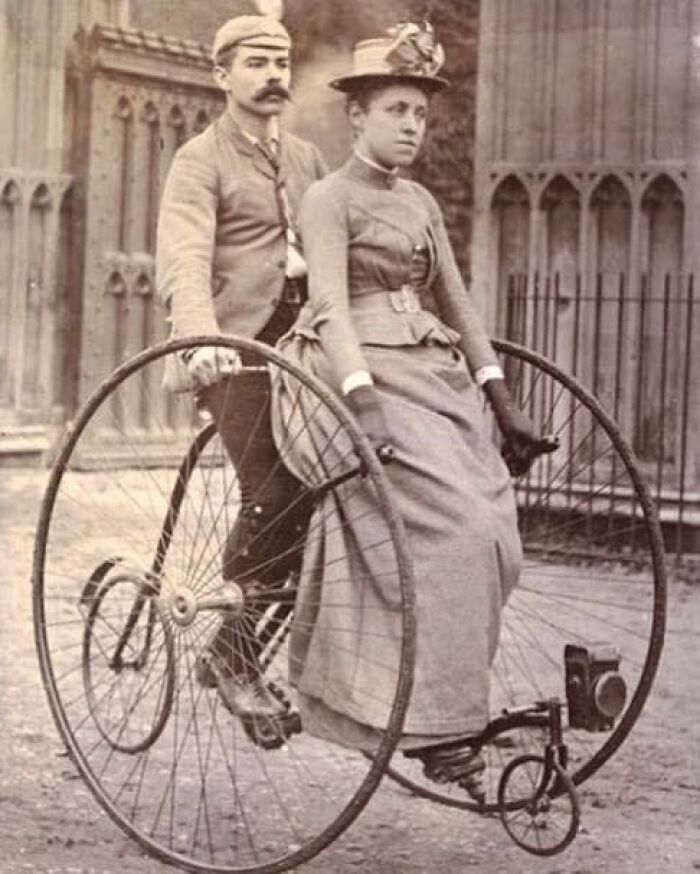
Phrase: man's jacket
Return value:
(221, 246)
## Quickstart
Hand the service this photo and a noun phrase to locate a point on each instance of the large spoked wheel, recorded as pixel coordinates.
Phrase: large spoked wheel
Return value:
(593, 572)
(151, 566)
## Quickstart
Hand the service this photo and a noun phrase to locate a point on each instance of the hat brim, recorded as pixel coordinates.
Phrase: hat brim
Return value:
(348, 84)
(259, 42)
(266, 42)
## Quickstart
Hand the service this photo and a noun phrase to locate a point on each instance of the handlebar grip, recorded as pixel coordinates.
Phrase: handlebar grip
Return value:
(547, 444)
(385, 453)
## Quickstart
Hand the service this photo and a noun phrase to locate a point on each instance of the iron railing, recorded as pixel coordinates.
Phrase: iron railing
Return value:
(632, 341)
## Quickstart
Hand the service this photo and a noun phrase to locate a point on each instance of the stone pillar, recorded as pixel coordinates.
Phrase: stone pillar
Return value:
(34, 180)
(488, 94)
(692, 247)
(692, 244)
(34, 36)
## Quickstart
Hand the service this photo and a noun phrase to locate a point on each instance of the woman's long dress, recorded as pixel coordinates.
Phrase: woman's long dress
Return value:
(366, 235)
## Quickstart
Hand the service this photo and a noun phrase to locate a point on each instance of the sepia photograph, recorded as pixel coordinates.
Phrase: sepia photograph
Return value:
(349, 470)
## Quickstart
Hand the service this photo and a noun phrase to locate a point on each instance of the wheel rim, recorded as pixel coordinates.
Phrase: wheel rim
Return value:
(539, 820)
(574, 588)
(146, 693)
(192, 788)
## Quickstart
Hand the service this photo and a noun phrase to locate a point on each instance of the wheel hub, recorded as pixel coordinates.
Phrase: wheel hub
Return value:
(183, 605)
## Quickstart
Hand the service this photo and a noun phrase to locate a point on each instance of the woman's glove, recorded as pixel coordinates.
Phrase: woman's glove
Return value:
(365, 404)
(521, 444)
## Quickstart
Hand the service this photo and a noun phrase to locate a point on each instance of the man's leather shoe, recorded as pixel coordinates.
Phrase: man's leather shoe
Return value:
(249, 697)
(204, 670)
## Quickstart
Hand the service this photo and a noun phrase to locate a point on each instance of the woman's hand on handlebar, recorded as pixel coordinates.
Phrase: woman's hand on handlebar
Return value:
(519, 458)
(522, 445)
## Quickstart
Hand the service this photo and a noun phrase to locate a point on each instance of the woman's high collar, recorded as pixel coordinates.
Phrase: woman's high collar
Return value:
(364, 170)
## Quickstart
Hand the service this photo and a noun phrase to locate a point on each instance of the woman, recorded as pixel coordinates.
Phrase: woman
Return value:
(379, 261)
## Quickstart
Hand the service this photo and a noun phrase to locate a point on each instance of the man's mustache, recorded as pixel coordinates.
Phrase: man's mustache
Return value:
(274, 89)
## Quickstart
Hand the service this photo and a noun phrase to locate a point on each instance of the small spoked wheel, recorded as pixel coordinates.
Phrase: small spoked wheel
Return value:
(538, 805)
(154, 570)
(129, 679)
(593, 572)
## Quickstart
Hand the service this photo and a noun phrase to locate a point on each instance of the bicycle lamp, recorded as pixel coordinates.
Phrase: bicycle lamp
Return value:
(595, 690)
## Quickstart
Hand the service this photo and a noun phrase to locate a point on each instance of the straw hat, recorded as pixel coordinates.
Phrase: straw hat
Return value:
(261, 31)
(408, 54)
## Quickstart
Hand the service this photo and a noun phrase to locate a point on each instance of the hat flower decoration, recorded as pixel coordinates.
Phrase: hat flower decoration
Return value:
(414, 50)
(408, 53)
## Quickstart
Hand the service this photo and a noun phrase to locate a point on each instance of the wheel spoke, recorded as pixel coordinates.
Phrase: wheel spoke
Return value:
(580, 509)
(130, 556)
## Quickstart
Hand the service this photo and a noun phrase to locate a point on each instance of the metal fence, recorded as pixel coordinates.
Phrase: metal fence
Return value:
(632, 341)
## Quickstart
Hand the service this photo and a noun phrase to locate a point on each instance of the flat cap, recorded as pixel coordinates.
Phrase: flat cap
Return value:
(263, 31)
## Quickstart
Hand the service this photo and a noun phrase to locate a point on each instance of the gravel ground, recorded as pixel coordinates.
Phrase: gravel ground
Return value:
(639, 815)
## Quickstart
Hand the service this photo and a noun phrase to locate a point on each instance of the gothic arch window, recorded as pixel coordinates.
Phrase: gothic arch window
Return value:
(10, 198)
(143, 285)
(68, 306)
(178, 123)
(663, 209)
(37, 243)
(201, 121)
(11, 194)
(39, 290)
(611, 212)
(152, 173)
(124, 109)
(511, 213)
(115, 284)
(553, 315)
(114, 346)
(656, 420)
(511, 206)
(125, 113)
(173, 135)
(144, 293)
(561, 205)
(601, 338)
(41, 198)
(150, 114)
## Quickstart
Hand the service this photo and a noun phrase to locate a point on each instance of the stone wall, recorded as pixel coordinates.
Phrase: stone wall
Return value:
(587, 205)
(585, 138)
(36, 320)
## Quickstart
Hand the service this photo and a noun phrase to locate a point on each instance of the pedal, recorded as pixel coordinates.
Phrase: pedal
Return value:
(271, 734)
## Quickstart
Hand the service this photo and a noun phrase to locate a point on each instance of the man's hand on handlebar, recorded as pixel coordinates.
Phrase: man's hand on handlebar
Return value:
(208, 364)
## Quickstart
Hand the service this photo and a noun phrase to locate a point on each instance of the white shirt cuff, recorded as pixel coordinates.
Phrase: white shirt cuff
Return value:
(487, 372)
(356, 379)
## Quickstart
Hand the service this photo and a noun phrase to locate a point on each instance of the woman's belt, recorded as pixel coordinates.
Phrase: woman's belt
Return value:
(401, 300)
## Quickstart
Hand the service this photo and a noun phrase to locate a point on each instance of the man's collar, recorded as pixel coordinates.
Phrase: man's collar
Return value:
(273, 135)
(251, 146)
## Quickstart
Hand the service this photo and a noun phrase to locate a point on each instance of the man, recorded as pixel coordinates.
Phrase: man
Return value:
(228, 261)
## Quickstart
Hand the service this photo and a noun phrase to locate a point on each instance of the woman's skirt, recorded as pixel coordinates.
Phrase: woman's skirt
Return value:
(455, 498)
